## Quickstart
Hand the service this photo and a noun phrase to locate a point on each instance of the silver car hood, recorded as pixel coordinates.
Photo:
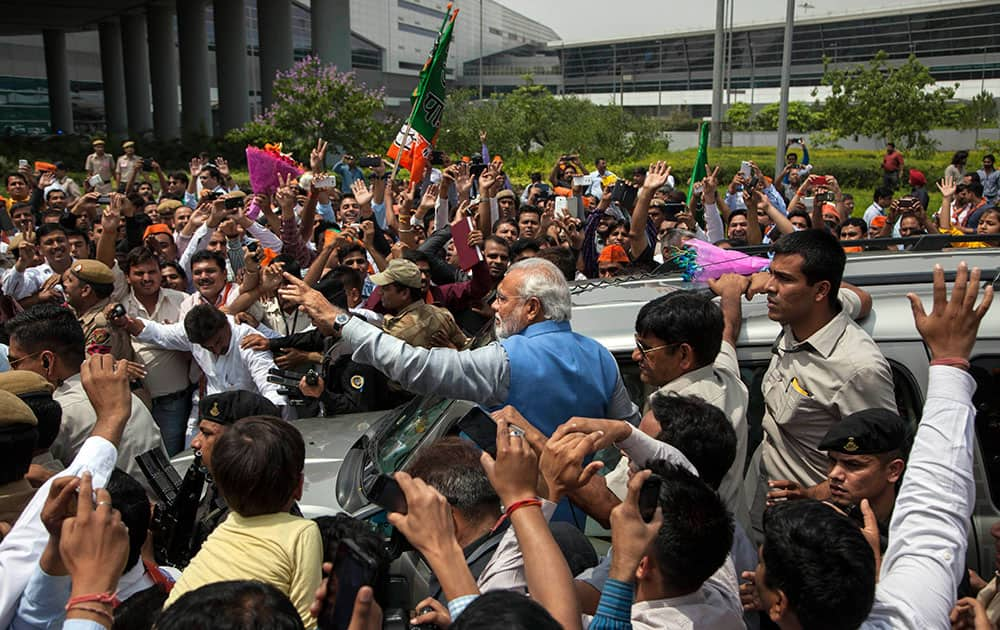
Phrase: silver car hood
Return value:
(327, 442)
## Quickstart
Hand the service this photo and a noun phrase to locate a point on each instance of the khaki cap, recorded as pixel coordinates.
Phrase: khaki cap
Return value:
(13, 410)
(400, 270)
(94, 271)
(168, 204)
(22, 382)
(127, 144)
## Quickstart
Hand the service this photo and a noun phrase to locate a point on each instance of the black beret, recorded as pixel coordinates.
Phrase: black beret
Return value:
(867, 432)
(228, 407)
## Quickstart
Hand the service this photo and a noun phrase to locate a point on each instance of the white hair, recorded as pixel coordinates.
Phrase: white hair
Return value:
(541, 279)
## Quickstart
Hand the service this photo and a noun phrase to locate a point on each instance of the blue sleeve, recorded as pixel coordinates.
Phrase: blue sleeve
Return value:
(485, 154)
(378, 209)
(339, 168)
(42, 602)
(458, 605)
(325, 210)
(82, 624)
(776, 199)
(805, 155)
(614, 611)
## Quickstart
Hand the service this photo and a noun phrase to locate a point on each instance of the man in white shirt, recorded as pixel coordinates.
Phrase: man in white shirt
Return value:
(106, 385)
(881, 200)
(596, 189)
(812, 552)
(214, 342)
(32, 284)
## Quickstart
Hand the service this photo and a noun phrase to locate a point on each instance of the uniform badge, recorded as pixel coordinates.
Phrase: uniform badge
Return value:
(78, 269)
(357, 382)
(214, 411)
(850, 446)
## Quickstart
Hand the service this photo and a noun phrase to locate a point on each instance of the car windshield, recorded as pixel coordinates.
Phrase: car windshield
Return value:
(395, 441)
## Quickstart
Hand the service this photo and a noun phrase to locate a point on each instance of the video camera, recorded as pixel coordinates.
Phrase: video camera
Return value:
(290, 384)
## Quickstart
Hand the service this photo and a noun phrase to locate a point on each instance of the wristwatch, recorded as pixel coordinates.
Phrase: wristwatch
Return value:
(340, 321)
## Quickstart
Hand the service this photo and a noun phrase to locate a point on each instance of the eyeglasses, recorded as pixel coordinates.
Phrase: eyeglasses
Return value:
(13, 362)
(502, 299)
(645, 350)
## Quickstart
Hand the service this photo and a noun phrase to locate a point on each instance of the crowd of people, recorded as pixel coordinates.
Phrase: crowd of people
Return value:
(146, 313)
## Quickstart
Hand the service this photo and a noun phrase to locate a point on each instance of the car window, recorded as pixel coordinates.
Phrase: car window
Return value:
(400, 438)
(986, 371)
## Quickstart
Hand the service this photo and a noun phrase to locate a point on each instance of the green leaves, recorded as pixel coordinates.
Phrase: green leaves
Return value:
(897, 103)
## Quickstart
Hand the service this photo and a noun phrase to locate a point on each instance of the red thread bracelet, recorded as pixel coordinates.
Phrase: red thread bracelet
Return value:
(101, 598)
(952, 362)
(513, 507)
(94, 611)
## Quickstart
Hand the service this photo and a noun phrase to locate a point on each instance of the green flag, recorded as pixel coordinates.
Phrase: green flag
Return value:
(415, 141)
(700, 170)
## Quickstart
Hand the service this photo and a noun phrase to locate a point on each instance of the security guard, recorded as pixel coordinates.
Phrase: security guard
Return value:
(216, 413)
(412, 319)
(88, 286)
(36, 392)
(867, 452)
(18, 436)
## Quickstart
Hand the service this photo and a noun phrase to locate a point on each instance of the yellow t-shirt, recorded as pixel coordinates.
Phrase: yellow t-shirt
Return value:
(954, 231)
(282, 550)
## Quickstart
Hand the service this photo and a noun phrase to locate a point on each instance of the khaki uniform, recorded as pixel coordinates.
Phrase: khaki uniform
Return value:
(14, 496)
(103, 338)
(418, 322)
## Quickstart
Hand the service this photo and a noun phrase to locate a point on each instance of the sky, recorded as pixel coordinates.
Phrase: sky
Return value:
(583, 20)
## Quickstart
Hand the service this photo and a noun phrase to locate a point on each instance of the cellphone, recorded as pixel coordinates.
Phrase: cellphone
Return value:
(699, 188)
(234, 202)
(819, 180)
(387, 494)
(481, 429)
(147, 164)
(118, 311)
(583, 180)
(649, 497)
(475, 170)
(746, 170)
(21, 163)
(324, 181)
(752, 184)
(824, 197)
(437, 158)
(353, 568)
(104, 200)
(560, 208)
(95, 181)
(371, 161)
(624, 194)
(211, 195)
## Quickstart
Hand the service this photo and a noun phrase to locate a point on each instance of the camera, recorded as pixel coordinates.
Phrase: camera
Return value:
(369, 161)
(312, 378)
(147, 164)
(235, 202)
(104, 200)
(117, 312)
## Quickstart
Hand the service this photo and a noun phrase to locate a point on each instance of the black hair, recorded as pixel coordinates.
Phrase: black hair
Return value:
(522, 245)
(213, 170)
(804, 214)
(205, 255)
(17, 175)
(562, 258)
(821, 561)
(231, 605)
(49, 327)
(880, 192)
(822, 257)
(989, 156)
(139, 612)
(48, 412)
(451, 466)
(697, 530)
(739, 212)
(528, 209)
(684, 317)
(129, 498)
(348, 276)
(18, 206)
(17, 447)
(349, 249)
(292, 266)
(180, 176)
(975, 188)
(415, 256)
(960, 157)
(700, 431)
(46, 229)
(499, 222)
(52, 190)
(140, 256)
(856, 222)
(176, 267)
(203, 322)
(502, 242)
(342, 526)
(257, 464)
(505, 610)
(973, 177)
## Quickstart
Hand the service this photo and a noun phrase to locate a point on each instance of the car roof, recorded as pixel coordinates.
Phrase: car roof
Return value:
(606, 311)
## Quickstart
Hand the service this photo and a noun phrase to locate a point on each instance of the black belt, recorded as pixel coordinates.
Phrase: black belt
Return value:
(178, 394)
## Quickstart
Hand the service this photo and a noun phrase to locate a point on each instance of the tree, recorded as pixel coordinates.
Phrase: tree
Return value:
(739, 116)
(312, 101)
(980, 112)
(898, 104)
(801, 117)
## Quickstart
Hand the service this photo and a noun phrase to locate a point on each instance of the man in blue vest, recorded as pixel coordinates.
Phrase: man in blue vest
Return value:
(540, 366)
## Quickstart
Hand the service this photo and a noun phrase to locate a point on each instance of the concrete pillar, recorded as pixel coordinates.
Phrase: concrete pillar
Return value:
(331, 32)
(135, 52)
(165, 78)
(274, 23)
(196, 111)
(231, 64)
(57, 76)
(113, 78)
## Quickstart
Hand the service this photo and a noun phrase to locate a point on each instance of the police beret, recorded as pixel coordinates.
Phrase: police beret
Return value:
(13, 411)
(168, 205)
(505, 194)
(94, 271)
(24, 382)
(228, 407)
(867, 432)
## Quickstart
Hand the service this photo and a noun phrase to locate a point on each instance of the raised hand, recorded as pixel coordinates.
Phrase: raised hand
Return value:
(950, 329)
(656, 176)
(562, 463)
(106, 384)
(361, 192)
(514, 473)
(947, 186)
(631, 536)
(309, 301)
(429, 199)
(317, 157)
(223, 166)
(195, 166)
(94, 543)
